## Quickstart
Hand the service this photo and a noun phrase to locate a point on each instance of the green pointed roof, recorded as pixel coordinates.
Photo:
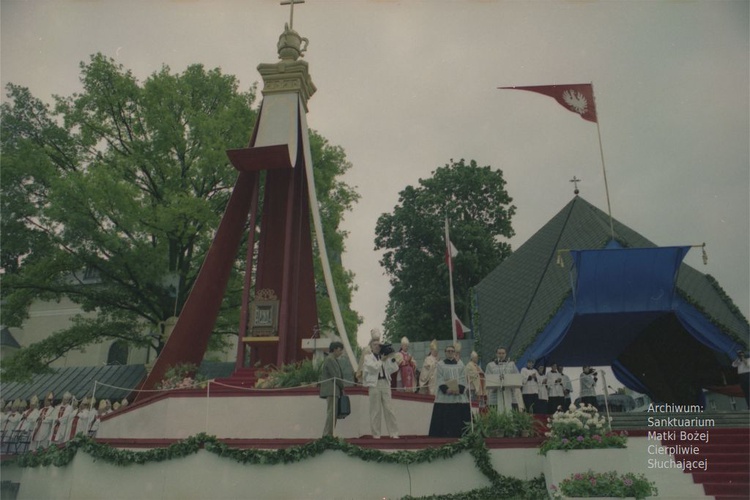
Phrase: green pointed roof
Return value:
(516, 301)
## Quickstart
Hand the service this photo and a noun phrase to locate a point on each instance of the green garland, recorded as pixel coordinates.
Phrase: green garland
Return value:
(473, 443)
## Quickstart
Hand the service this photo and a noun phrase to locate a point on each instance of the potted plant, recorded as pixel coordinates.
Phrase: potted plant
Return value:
(580, 428)
(604, 485)
(578, 439)
(524, 424)
(502, 424)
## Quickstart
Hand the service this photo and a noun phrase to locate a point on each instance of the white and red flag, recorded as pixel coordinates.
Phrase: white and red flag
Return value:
(450, 252)
(575, 97)
(460, 328)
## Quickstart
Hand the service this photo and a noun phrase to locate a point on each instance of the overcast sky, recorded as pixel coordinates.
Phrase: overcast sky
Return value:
(404, 86)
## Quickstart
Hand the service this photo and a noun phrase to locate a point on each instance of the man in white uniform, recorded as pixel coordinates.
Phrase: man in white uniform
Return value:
(376, 372)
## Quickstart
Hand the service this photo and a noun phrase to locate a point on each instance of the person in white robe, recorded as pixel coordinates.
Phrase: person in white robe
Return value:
(62, 415)
(451, 411)
(79, 420)
(43, 425)
(427, 380)
(502, 398)
(9, 423)
(556, 390)
(530, 387)
(587, 382)
(25, 426)
(567, 389)
(742, 363)
(475, 375)
(543, 399)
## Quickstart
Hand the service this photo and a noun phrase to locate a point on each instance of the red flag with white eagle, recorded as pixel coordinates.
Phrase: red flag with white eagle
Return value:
(576, 97)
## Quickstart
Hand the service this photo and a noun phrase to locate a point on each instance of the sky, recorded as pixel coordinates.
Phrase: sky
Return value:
(406, 86)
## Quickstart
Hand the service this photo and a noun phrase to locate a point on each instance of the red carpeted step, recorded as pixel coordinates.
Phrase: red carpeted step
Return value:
(721, 477)
(728, 456)
(710, 448)
(715, 458)
(743, 467)
(716, 489)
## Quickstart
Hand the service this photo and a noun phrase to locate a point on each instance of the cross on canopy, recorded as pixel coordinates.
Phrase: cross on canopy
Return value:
(575, 182)
(291, 10)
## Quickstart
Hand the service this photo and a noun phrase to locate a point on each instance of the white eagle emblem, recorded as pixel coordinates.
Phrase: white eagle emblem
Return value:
(576, 101)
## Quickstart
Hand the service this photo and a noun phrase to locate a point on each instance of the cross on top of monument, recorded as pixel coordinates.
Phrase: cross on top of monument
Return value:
(291, 10)
(575, 182)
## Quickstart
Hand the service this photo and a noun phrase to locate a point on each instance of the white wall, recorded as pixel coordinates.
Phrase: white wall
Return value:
(331, 475)
(255, 417)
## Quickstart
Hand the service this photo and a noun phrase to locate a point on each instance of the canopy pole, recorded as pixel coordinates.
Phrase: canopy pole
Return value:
(323, 253)
(606, 402)
(604, 169)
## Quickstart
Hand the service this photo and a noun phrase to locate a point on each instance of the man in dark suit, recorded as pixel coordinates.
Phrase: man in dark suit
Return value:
(331, 383)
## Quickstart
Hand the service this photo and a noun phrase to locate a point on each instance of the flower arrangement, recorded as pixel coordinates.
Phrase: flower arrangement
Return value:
(580, 428)
(605, 484)
(292, 375)
(181, 376)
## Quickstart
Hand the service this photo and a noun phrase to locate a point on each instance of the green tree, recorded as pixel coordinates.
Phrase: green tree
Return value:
(112, 197)
(475, 201)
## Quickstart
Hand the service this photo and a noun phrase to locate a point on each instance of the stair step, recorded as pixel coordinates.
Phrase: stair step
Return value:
(714, 458)
(715, 489)
(721, 420)
(715, 438)
(722, 477)
(715, 448)
(743, 467)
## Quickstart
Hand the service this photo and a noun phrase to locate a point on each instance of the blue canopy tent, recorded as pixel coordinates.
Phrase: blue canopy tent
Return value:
(666, 329)
(622, 300)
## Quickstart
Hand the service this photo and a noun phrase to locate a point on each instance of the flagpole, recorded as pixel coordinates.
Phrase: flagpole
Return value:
(450, 278)
(604, 169)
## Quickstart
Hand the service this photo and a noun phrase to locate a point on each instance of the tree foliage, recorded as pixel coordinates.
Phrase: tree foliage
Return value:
(478, 207)
(112, 198)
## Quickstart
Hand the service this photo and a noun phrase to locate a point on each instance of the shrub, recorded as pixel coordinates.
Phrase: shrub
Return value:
(181, 376)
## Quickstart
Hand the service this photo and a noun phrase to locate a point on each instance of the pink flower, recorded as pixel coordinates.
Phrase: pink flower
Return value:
(628, 482)
(553, 487)
(593, 482)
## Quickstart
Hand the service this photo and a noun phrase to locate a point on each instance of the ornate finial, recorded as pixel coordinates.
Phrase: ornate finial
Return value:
(575, 182)
(291, 46)
(291, 10)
